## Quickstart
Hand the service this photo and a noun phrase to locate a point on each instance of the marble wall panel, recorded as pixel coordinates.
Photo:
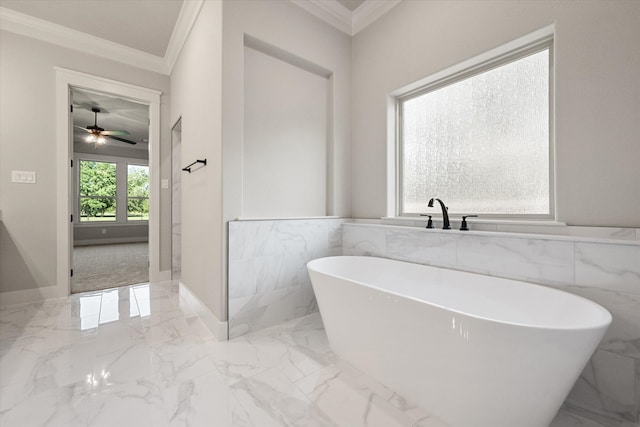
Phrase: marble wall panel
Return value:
(334, 228)
(638, 392)
(270, 308)
(251, 239)
(176, 211)
(411, 245)
(605, 232)
(268, 279)
(614, 267)
(535, 260)
(301, 236)
(364, 240)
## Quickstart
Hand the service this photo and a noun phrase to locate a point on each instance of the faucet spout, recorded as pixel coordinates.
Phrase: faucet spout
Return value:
(445, 214)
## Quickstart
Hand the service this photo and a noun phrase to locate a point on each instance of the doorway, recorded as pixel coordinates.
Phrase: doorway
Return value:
(66, 82)
(110, 191)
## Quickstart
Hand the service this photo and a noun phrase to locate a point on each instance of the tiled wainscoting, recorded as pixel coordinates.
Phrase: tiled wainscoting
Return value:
(269, 284)
(605, 271)
(268, 279)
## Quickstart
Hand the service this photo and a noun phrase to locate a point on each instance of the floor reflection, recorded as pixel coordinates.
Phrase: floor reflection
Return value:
(106, 306)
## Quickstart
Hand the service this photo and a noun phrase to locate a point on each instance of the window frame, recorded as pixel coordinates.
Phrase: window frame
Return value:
(475, 66)
(121, 189)
(81, 196)
(127, 197)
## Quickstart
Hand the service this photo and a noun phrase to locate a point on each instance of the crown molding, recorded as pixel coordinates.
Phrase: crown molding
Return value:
(368, 12)
(40, 29)
(188, 15)
(338, 16)
(49, 32)
(330, 12)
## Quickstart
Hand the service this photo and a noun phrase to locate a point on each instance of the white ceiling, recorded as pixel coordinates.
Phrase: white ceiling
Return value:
(145, 25)
(156, 28)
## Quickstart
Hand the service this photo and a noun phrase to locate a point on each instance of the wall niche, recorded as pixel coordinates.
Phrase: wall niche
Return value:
(286, 134)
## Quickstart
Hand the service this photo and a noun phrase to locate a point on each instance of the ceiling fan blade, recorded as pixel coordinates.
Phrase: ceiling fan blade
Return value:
(84, 129)
(114, 132)
(121, 139)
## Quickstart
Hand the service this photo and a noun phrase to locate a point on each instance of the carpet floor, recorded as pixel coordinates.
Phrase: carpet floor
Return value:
(106, 266)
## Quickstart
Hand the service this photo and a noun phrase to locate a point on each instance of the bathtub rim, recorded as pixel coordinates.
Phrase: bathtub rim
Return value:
(606, 316)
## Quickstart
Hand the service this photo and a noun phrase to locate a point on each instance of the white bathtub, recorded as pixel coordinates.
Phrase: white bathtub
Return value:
(474, 350)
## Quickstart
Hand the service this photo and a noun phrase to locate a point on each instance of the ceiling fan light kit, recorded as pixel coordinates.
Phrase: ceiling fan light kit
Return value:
(97, 138)
(97, 134)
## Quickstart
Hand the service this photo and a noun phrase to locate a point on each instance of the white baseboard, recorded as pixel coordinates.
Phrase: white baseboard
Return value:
(219, 329)
(110, 241)
(55, 292)
(30, 295)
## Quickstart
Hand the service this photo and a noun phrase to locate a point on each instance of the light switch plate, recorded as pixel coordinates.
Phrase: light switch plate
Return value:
(164, 183)
(23, 177)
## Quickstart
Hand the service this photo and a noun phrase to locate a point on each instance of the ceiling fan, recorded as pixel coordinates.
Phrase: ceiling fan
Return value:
(98, 134)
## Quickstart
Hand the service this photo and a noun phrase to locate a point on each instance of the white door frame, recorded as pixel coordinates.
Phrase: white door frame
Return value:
(65, 80)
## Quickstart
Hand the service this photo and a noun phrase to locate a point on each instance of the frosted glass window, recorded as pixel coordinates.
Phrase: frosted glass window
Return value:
(480, 144)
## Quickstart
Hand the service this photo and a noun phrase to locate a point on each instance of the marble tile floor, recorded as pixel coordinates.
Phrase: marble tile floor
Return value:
(136, 356)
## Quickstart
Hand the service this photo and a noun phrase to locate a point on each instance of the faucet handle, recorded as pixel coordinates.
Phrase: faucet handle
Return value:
(464, 226)
(429, 222)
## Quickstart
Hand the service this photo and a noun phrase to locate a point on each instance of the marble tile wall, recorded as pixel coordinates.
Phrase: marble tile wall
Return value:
(603, 270)
(268, 279)
(176, 210)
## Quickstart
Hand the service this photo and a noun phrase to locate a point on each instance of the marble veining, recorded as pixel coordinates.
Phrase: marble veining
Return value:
(268, 279)
(176, 209)
(606, 388)
(623, 336)
(611, 266)
(148, 362)
(369, 241)
(545, 260)
(404, 245)
(638, 391)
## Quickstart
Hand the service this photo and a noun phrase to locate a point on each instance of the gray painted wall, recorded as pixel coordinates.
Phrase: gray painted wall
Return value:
(196, 87)
(597, 63)
(89, 235)
(27, 142)
(285, 139)
(111, 150)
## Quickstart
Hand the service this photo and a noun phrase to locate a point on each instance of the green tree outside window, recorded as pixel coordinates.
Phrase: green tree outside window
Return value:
(97, 191)
(137, 192)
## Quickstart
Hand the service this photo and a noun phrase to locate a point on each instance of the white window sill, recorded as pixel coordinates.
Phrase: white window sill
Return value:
(490, 221)
(525, 228)
(285, 218)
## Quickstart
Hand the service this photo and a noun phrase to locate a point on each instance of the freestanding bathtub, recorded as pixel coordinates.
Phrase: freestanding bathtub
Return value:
(474, 350)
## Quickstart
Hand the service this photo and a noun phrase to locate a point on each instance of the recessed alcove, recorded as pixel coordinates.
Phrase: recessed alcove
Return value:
(286, 134)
